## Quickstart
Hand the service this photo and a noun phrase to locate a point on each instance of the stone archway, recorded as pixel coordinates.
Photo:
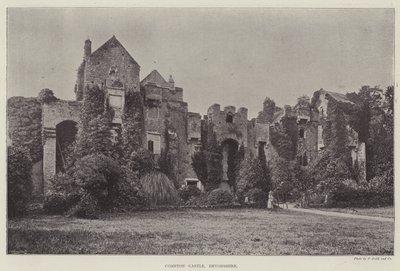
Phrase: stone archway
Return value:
(65, 137)
(230, 149)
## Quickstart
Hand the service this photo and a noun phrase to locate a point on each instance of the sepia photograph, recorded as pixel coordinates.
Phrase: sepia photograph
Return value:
(210, 131)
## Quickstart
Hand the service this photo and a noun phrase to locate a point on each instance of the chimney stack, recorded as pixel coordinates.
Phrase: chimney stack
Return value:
(87, 50)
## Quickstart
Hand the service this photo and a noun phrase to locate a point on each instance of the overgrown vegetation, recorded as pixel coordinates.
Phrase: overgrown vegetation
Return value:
(158, 189)
(19, 184)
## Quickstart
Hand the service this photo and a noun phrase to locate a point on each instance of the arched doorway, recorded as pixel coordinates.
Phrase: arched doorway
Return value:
(229, 153)
(65, 137)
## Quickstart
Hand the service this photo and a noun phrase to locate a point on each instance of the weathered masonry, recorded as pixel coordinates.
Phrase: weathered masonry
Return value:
(167, 119)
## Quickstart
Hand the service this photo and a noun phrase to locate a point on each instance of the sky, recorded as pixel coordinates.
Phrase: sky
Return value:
(229, 56)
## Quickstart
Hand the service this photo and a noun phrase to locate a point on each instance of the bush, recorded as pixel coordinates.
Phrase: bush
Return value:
(86, 208)
(129, 195)
(158, 189)
(19, 183)
(257, 196)
(348, 193)
(219, 196)
(200, 200)
(187, 192)
(98, 176)
(141, 161)
(59, 203)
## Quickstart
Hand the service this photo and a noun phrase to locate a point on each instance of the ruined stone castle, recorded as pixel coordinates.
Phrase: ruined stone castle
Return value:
(113, 69)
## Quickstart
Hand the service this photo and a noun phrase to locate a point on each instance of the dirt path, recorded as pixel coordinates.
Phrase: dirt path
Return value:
(337, 214)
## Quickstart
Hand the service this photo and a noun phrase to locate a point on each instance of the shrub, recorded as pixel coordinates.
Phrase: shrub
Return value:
(348, 193)
(98, 176)
(219, 196)
(187, 192)
(257, 196)
(129, 195)
(200, 200)
(55, 204)
(141, 161)
(158, 189)
(19, 183)
(86, 208)
(59, 203)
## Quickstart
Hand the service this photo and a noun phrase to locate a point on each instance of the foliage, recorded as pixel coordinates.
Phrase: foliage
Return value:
(94, 131)
(133, 123)
(88, 207)
(199, 165)
(269, 108)
(290, 128)
(158, 189)
(257, 196)
(219, 196)
(348, 193)
(214, 162)
(188, 191)
(237, 161)
(283, 177)
(165, 161)
(200, 200)
(129, 194)
(374, 120)
(98, 176)
(141, 161)
(59, 203)
(46, 96)
(19, 183)
(252, 175)
(282, 143)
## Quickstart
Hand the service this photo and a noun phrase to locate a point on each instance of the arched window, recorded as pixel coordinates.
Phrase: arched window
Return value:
(229, 117)
(150, 146)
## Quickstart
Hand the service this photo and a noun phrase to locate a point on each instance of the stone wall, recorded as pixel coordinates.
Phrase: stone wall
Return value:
(53, 114)
(236, 129)
(24, 128)
(112, 54)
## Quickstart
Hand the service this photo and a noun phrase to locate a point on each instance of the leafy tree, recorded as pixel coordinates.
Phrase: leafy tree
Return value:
(253, 174)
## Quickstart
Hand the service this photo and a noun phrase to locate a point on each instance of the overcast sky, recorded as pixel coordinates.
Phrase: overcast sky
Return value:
(230, 56)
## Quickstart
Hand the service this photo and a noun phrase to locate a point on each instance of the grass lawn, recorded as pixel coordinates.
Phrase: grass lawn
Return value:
(382, 211)
(202, 232)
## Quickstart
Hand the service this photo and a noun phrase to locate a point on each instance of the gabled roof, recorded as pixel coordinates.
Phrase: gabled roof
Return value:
(338, 97)
(111, 43)
(155, 78)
